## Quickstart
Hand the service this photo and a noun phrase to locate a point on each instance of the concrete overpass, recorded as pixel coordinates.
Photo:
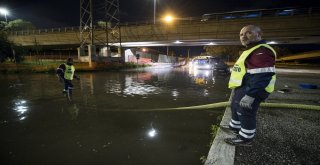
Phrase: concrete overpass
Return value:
(306, 55)
(301, 28)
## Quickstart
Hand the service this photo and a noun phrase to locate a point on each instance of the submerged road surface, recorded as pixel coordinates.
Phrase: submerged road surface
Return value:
(110, 118)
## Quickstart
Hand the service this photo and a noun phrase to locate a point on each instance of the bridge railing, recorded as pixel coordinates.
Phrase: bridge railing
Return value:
(277, 12)
(41, 31)
(248, 14)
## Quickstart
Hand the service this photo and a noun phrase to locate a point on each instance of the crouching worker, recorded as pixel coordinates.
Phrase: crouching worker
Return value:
(69, 75)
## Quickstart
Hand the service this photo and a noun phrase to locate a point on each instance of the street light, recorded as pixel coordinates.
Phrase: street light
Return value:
(154, 11)
(144, 49)
(168, 18)
(4, 12)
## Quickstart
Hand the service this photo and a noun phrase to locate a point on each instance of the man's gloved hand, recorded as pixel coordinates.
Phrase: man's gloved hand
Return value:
(246, 101)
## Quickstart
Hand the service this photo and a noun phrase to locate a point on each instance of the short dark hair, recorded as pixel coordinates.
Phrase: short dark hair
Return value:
(69, 60)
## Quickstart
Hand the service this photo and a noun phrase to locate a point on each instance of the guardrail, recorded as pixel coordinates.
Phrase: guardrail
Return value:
(278, 12)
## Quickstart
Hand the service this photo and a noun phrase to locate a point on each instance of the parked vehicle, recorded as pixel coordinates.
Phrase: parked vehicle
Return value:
(219, 65)
(216, 64)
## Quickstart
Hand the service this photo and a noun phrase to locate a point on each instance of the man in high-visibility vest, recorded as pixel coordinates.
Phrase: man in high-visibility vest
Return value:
(69, 75)
(252, 79)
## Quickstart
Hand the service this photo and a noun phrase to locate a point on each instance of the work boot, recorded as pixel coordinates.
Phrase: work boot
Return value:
(229, 130)
(238, 141)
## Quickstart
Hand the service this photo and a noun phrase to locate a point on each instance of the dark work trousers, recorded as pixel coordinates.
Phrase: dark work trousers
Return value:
(68, 85)
(244, 119)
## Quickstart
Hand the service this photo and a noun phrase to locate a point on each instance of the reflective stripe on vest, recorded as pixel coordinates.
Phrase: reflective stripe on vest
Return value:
(69, 72)
(261, 70)
(239, 69)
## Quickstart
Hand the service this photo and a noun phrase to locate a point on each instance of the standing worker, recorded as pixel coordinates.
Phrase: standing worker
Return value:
(252, 79)
(69, 75)
(66, 73)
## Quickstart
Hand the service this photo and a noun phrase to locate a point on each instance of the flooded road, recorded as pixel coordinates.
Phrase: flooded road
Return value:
(110, 119)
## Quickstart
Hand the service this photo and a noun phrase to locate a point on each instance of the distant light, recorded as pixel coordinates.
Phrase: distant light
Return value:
(152, 133)
(178, 42)
(272, 42)
(168, 18)
(4, 11)
(207, 73)
(253, 15)
(289, 10)
(144, 49)
(229, 17)
(211, 43)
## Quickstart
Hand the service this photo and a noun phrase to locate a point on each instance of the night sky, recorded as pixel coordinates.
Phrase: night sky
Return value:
(62, 13)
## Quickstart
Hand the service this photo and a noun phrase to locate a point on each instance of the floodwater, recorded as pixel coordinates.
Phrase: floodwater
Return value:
(111, 118)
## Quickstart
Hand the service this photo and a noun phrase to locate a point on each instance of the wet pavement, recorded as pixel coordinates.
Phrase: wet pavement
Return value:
(109, 119)
(287, 135)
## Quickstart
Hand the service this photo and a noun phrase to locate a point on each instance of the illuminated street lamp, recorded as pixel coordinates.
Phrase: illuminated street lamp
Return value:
(4, 12)
(144, 49)
(168, 19)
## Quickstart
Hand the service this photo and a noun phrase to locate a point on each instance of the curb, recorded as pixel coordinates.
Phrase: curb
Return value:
(221, 152)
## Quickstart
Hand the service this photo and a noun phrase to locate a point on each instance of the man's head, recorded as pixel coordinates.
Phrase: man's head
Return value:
(250, 34)
(69, 61)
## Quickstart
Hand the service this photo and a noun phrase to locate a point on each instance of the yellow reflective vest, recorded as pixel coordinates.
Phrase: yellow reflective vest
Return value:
(239, 69)
(69, 72)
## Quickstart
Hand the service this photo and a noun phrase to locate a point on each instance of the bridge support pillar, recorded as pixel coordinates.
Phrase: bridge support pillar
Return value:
(82, 56)
(91, 53)
(105, 52)
(121, 54)
(80, 52)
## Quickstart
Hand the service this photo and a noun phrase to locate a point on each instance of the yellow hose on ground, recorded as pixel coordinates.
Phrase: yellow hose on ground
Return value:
(200, 107)
(225, 104)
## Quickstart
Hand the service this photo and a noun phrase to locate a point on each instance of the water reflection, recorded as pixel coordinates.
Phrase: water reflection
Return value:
(134, 87)
(120, 91)
(20, 106)
(72, 110)
(202, 77)
(175, 94)
(86, 82)
(134, 84)
(152, 133)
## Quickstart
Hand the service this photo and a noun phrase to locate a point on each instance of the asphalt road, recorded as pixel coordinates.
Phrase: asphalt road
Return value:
(287, 136)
